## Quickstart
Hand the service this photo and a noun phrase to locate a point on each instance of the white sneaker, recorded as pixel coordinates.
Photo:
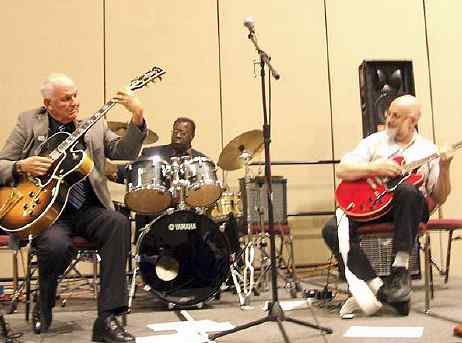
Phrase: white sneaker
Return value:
(351, 305)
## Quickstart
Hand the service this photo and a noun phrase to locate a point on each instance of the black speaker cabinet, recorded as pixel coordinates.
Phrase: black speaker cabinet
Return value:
(253, 195)
(379, 83)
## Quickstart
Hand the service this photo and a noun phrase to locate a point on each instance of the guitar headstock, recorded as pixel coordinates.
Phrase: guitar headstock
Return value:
(150, 76)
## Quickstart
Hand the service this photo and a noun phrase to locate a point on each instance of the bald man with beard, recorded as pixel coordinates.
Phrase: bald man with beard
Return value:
(373, 157)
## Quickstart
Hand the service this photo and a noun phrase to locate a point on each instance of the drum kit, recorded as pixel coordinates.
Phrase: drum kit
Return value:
(186, 252)
(153, 184)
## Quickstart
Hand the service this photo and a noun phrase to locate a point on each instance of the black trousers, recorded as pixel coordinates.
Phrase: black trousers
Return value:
(409, 208)
(111, 232)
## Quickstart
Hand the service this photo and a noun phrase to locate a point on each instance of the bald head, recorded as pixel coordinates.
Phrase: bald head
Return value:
(406, 105)
(401, 119)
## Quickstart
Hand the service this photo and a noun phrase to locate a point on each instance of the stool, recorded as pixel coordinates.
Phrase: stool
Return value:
(17, 288)
(83, 248)
(4, 245)
(86, 252)
(449, 225)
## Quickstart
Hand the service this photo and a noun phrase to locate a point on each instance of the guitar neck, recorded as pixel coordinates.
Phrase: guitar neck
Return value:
(139, 82)
(418, 163)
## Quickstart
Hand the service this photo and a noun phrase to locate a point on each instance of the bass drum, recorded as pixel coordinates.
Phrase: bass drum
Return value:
(183, 257)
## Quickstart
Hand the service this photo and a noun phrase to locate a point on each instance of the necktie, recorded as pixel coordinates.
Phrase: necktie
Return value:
(78, 194)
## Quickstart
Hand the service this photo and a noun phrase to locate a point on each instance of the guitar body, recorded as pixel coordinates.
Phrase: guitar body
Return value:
(361, 201)
(36, 202)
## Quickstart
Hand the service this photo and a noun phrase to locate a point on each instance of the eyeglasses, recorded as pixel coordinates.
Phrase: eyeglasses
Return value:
(394, 115)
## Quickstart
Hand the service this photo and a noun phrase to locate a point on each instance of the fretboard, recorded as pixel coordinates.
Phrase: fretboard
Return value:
(416, 164)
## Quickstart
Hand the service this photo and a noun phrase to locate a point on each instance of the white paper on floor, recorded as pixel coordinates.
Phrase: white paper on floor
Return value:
(180, 337)
(197, 325)
(186, 331)
(288, 305)
(385, 331)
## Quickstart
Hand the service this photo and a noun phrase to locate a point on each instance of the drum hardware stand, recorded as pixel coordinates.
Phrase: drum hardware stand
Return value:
(248, 276)
(290, 279)
(137, 259)
(275, 311)
(178, 185)
(264, 279)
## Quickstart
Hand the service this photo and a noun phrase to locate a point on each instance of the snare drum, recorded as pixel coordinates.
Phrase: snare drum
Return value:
(148, 186)
(229, 202)
(203, 188)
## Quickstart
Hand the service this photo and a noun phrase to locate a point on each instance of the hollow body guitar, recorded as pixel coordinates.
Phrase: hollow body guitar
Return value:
(366, 200)
(36, 202)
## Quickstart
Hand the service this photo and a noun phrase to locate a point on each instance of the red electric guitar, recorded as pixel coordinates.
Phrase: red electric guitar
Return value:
(365, 199)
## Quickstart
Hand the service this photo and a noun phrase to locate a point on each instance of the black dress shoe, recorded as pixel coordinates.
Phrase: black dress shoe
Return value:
(398, 286)
(41, 318)
(403, 308)
(109, 330)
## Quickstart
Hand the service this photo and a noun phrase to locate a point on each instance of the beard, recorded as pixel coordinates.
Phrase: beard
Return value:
(391, 132)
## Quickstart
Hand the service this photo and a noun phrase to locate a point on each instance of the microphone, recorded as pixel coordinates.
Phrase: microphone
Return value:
(250, 24)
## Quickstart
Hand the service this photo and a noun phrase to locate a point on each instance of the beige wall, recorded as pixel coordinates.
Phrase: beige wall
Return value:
(210, 75)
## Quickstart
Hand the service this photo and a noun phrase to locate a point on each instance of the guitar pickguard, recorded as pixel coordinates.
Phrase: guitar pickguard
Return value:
(67, 163)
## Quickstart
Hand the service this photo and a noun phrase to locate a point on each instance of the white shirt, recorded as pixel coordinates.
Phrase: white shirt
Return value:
(379, 145)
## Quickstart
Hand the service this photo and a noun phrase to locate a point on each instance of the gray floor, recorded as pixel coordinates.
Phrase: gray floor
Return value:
(73, 323)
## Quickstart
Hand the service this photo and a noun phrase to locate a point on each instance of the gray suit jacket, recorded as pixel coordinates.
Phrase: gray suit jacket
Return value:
(32, 130)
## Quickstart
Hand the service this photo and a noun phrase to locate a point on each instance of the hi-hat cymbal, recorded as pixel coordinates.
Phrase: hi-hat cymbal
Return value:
(120, 128)
(250, 142)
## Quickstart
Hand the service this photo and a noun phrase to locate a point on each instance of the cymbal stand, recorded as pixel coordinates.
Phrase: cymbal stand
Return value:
(248, 277)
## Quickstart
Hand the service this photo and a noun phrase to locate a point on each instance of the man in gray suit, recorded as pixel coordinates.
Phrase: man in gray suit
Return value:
(89, 211)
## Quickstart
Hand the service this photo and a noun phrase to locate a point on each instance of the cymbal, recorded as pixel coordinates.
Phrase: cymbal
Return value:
(120, 129)
(250, 142)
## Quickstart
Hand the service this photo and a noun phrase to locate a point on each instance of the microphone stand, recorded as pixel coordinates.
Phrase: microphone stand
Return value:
(275, 311)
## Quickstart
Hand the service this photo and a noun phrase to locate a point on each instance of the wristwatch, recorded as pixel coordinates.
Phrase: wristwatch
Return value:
(17, 168)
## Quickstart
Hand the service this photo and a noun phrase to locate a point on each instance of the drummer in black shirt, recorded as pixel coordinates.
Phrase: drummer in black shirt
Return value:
(183, 132)
(182, 135)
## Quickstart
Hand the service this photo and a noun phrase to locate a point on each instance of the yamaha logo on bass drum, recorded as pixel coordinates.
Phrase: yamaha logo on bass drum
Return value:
(182, 227)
